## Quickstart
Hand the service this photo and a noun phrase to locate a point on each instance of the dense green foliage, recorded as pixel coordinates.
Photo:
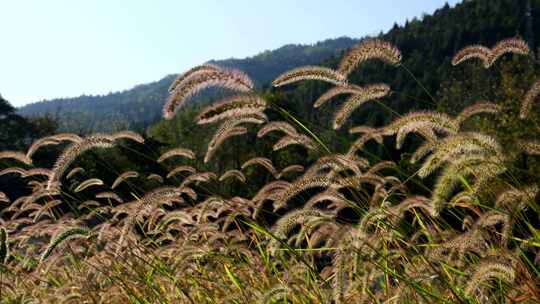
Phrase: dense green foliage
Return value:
(16, 132)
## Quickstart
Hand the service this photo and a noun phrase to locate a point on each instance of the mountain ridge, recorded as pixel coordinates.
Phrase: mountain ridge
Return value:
(427, 45)
(95, 112)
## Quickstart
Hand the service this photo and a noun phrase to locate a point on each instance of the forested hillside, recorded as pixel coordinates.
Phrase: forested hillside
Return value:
(140, 106)
(426, 79)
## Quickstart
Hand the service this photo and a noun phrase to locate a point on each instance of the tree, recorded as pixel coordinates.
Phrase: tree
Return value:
(14, 130)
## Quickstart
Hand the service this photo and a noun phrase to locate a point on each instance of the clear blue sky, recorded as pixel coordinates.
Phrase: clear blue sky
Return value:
(64, 48)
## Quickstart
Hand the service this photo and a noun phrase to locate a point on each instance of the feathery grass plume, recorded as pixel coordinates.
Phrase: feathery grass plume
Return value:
(71, 233)
(27, 173)
(481, 167)
(144, 206)
(28, 205)
(342, 262)
(335, 91)
(366, 50)
(237, 205)
(530, 97)
(208, 208)
(285, 224)
(491, 168)
(299, 139)
(282, 126)
(197, 178)
(40, 143)
(487, 270)
(220, 138)
(412, 202)
(4, 246)
(510, 45)
(396, 184)
(230, 107)
(46, 208)
(462, 198)
(191, 72)
(228, 129)
(492, 218)
(365, 130)
(110, 195)
(423, 150)
(233, 173)
(16, 204)
(459, 147)
(74, 150)
(88, 183)
(184, 152)
(516, 199)
(335, 163)
(127, 135)
(331, 195)
(372, 216)
(531, 147)
(79, 147)
(36, 186)
(479, 107)
(35, 196)
(152, 219)
(262, 161)
(367, 93)
(66, 137)
(124, 176)
(16, 156)
(89, 205)
(290, 169)
(298, 186)
(318, 233)
(11, 170)
(226, 78)
(473, 51)
(427, 132)
(382, 165)
(25, 208)
(310, 73)
(155, 177)
(230, 220)
(52, 140)
(181, 169)
(74, 171)
(270, 191)
(4, 198)
(418, 122)
(489, 56)
(178, 215)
